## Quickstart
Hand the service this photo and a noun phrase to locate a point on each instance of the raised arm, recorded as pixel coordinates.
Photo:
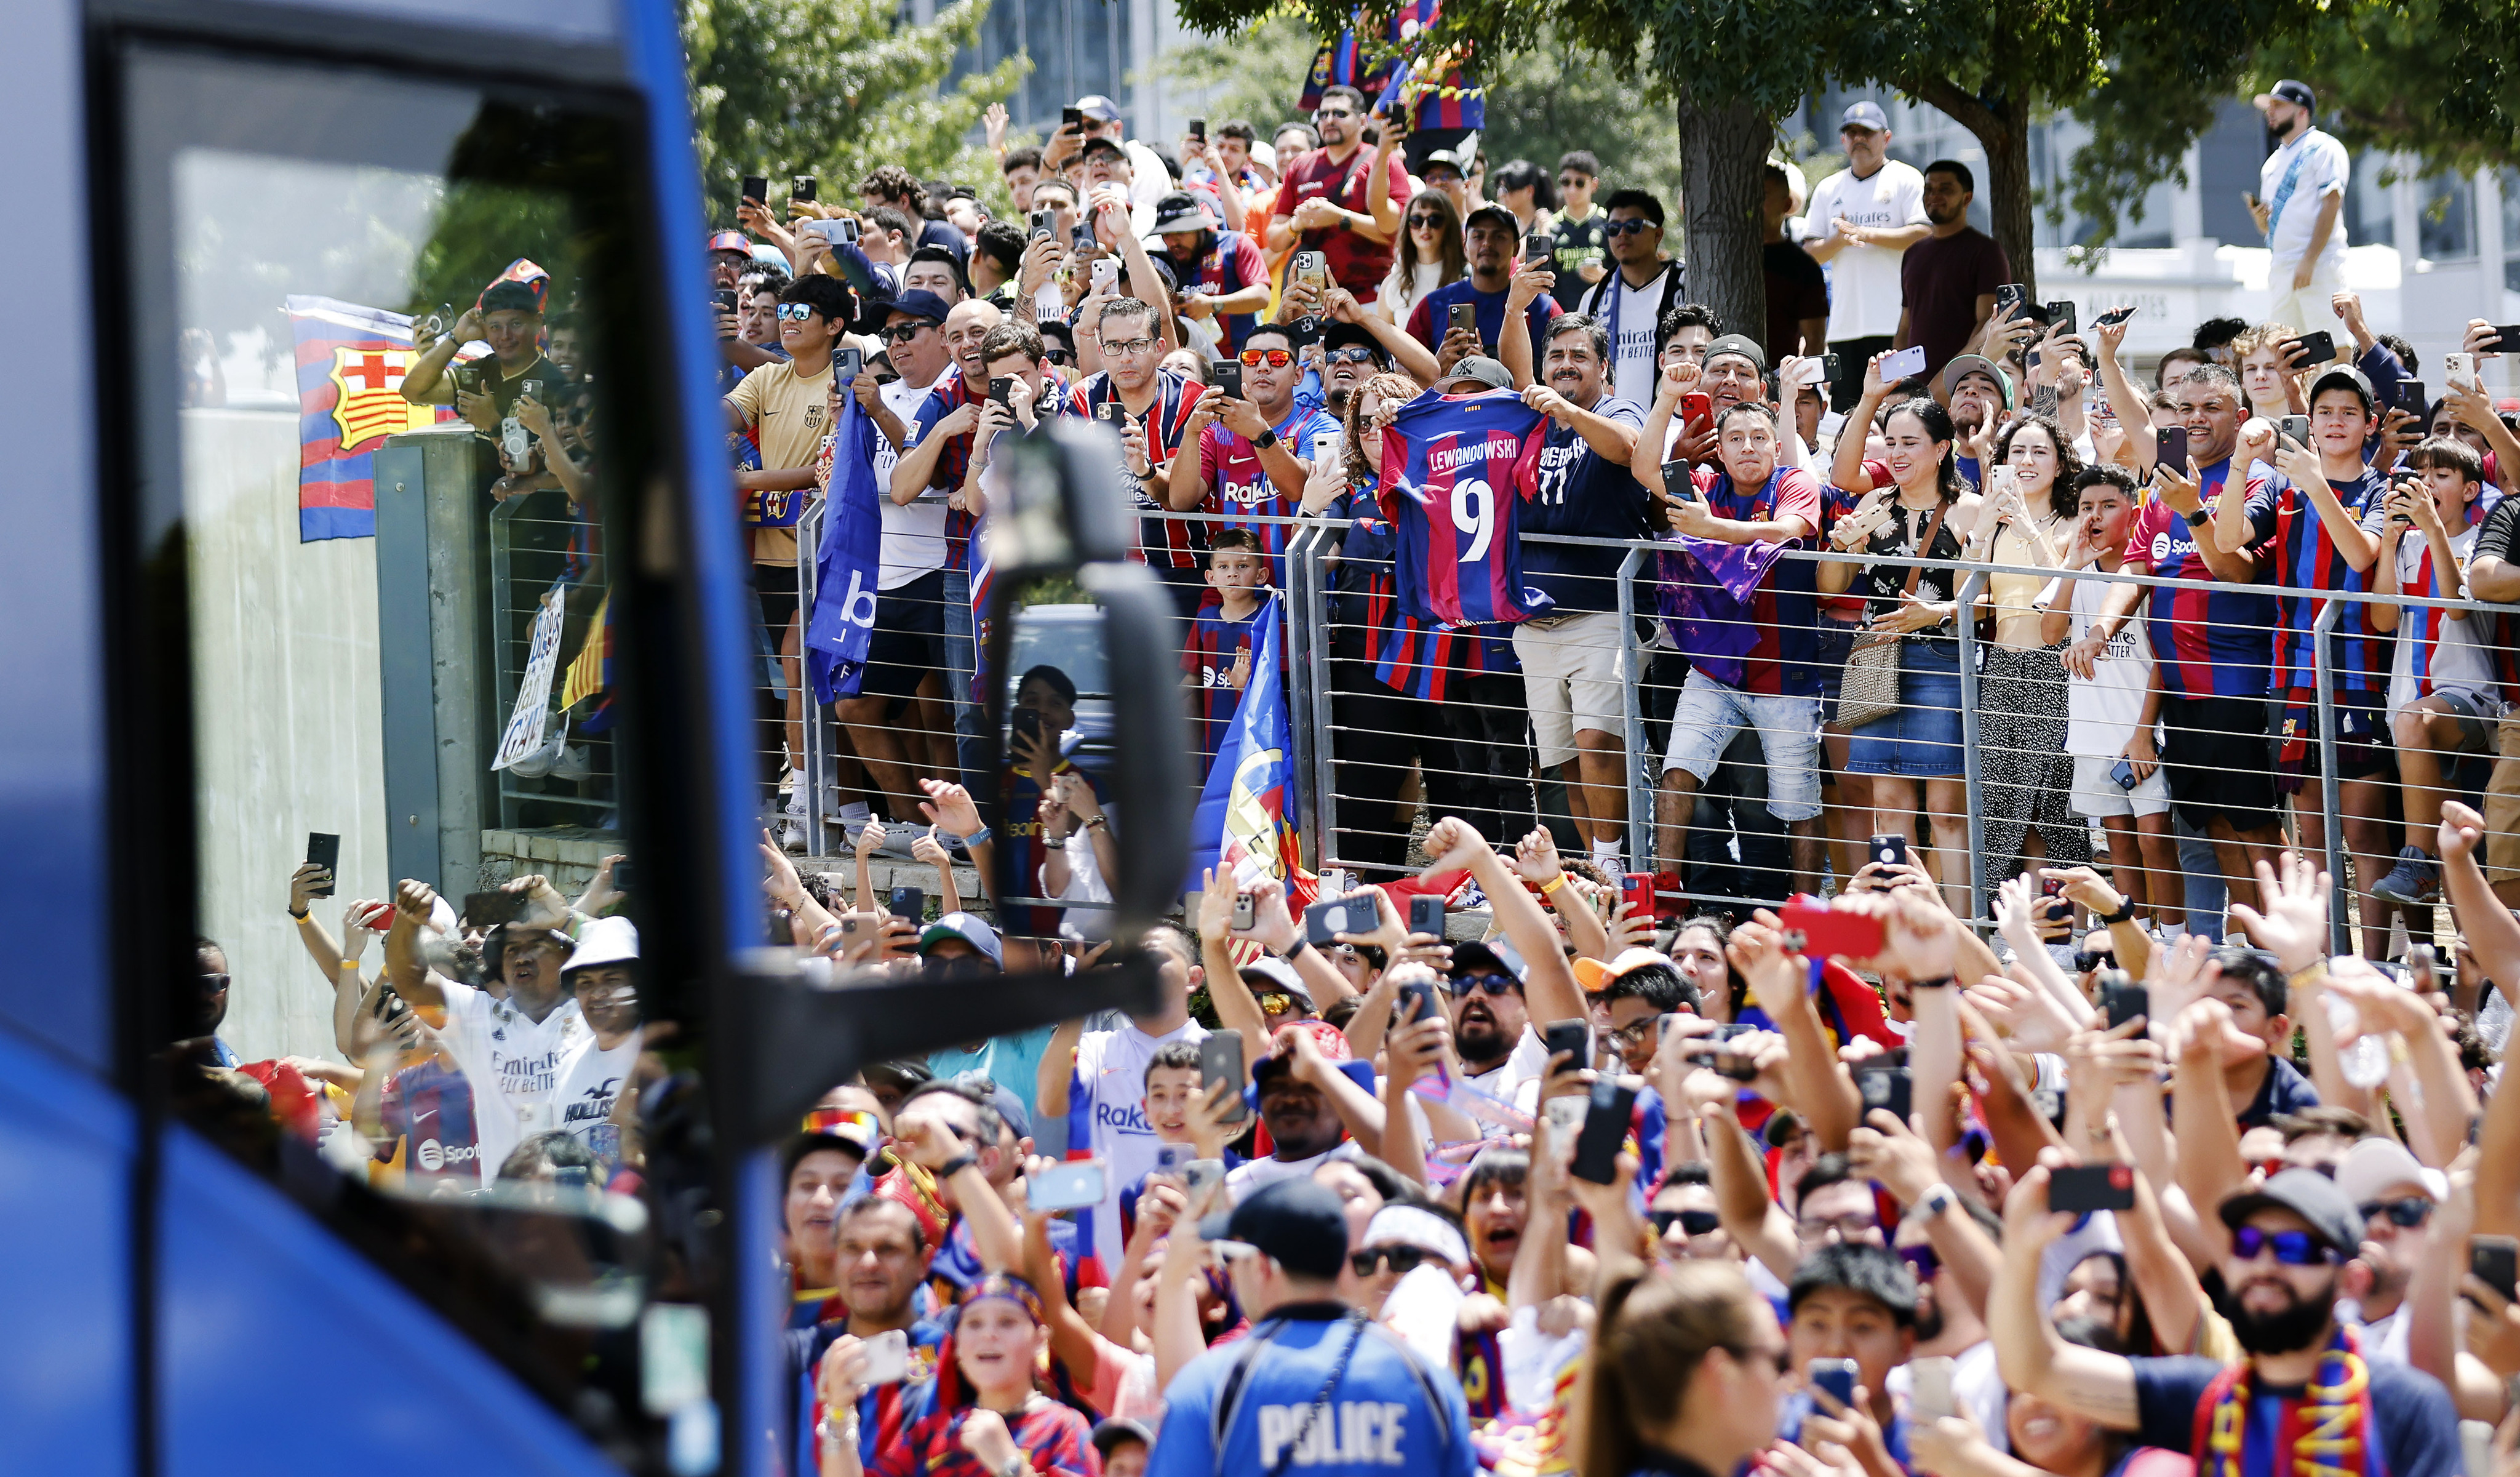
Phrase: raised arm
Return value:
(2100, 1387)
(1549, 990)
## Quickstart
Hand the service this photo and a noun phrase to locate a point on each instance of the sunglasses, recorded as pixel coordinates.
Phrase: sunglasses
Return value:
(1403, 1260)
(1848, 1227)
(1059, 356)
(901, 333)
(795, 312)
(1624, 227)
(2292, 1248)
(1275, 358)
(1492, 983)
(829, 1120)
(2406, 1214)
(1348, 356)
(1425, 222)
(1923, 1260)
(1693, 1223)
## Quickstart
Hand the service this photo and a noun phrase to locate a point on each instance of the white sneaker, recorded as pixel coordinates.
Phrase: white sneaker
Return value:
(791, 834)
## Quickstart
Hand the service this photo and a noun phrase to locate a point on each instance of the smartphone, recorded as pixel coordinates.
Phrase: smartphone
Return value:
(2061, 316)
(1339, 916)
(1107, 272)
(1889, 850)
(1678, 482)
(2424, 968)
(1326, 446)
(1111, 412)
(1071, 117)
(1606, 1128)
(1427, 914)
(800, 187)
(1813, 927)
(1888, 1088)
(1930, 1395)
(2317, 348)
(2170, 446)
(2124, 774)
(1828, 368)
(1002, 388)
(1906, 364)
(2413, 397)
(1244, 911)
(1535, 247)
(2113, 318)
(908, 902)
(1171, 1158)
(1568, 1039)
(1228, 377)
(2507, 336)
(1837, 1375)
(1637, 891)
(2459, 367)
(325, 852)
(1201, 1180)
(887, 1358)
(1069, 1187)
(849, 229)
(2297, 427)
(1313, 266)
(1044, 223)
(2123, 998)
(2496, 1261)
(1696, 406)
(2082, 1187)
(848, 363)
(854, 925)
(1416, 1000)
(1220, 1061)
(1199, 130)
(1810, 372)
(757, 187)
(1463, 317)
(488, 910)
(1080, 238)
(725, 300)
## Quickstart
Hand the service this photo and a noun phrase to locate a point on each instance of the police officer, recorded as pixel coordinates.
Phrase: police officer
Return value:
(1318, 1387)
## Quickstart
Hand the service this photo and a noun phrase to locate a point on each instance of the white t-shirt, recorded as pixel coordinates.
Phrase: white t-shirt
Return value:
(1865, 295)
(1632, 337)
(2101, 710)
(513, 1062)
(1110, 1086)
(591, 1079)
(2460, 662)
(2325, 171)
(1976, 1384)
(1253, 1176)
(913, 536)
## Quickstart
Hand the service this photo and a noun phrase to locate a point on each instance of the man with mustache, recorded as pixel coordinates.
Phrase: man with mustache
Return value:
(2304, 1396)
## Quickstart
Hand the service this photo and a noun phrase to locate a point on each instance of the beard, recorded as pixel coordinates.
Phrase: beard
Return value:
(2294, 1327)
(1480, 1041)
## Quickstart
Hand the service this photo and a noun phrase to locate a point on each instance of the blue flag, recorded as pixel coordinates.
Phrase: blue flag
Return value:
(846, 566)
(1246, 815)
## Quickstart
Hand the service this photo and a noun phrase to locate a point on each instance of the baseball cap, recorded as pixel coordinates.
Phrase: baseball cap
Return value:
(1486, 372)
(1180, 211)
(1116, 1430)
(1496, 214)
(1866, 114)
(1596, 976)
(2289, 91)
(1298, 1224)
(2373, 1165)
(1970, 364)
(1455, 160)
(1102, 144)
(1489, 953)
(968, 928)
(1739, 345)
(1099, 108)
(918, 302)
(603, 941)
(903, 1075)
(1280, 974)
(1336, 335)
(1003, 1098)
(2312, 1196)
(731, 240)
(2344, 377)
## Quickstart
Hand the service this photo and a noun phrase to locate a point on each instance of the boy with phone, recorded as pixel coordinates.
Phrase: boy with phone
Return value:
(2112, 709)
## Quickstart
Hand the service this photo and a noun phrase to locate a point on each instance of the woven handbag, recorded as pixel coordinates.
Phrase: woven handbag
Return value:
(1869, 691)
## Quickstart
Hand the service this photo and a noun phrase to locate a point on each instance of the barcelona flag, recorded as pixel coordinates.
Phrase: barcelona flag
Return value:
(350, 364)
(1381, 56)
(1245, 820)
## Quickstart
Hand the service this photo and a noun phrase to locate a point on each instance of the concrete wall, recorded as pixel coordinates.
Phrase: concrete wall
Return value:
(287, 721)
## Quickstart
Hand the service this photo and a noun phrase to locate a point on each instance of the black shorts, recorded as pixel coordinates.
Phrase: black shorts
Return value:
(776, 587)
(2363, 749)
(909, 640)
(2220, 760)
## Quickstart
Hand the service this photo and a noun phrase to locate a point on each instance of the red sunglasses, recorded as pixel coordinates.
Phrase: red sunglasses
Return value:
(1275, 358)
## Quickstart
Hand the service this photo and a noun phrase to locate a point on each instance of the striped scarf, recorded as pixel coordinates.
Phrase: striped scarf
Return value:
(2328, 1427)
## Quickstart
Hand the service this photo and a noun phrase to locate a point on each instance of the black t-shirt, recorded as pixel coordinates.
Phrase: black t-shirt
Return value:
(2419, 1427)
(1577, 242)
(2285, 1091)
(1797, 289)
(2500, 538)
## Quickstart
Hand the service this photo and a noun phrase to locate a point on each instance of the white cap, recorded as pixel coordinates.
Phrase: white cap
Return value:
(2375, 1165)
(603, 941)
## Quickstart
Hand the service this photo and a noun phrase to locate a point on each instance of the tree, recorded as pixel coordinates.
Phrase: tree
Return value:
(2381, 80)
(833, 88)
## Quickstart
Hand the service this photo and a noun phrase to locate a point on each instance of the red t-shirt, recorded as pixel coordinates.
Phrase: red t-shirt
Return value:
(1356, 263)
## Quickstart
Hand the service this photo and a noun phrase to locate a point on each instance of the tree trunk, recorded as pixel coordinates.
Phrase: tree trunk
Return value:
(2005, 135)
(1723, 154)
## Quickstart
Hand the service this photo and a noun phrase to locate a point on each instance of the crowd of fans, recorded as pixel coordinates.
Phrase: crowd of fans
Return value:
(1844, 1188)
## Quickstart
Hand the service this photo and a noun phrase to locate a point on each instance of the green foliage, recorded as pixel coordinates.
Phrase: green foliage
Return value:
(2382, 83)
(1559, 96)
(833, 88)
(1254, 74)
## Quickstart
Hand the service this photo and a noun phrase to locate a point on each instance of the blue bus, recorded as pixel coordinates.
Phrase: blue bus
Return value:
(370, 583)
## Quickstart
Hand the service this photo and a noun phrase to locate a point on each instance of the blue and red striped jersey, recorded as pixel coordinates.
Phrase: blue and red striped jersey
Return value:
(1408, 656)
(1784, 606)
(2306, 557)
(1165, 540)
(1239, 487)
(1207, 662)
(947, 394)
(1456, 473)
(2206, 643)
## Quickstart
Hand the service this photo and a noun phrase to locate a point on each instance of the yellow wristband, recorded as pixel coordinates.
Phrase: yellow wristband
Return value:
(2308, 974)
(1550, 887)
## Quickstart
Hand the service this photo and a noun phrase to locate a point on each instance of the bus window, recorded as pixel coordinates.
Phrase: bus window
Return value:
(389, 390)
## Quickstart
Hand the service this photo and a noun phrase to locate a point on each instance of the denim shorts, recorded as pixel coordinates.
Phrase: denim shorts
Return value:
(1922, 739)
(1708, 716)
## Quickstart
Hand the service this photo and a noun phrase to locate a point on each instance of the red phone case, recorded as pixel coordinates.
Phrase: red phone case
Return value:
(1637, 891)
(1694, 406)
(1826, 931)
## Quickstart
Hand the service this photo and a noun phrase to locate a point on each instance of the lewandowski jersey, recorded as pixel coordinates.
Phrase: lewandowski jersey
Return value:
(1167, 541)
(2206, 643)
(1456, 472)
(2306, 557)
(1239, 488)
(1785, 605)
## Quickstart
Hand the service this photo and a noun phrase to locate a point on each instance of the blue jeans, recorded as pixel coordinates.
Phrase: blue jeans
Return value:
(1708, 716)
(959, 662)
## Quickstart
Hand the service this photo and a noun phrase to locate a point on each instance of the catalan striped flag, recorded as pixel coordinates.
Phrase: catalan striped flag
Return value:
(350, 366)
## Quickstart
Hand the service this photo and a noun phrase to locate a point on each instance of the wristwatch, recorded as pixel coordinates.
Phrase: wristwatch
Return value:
(1937, 1199)
(956, 1165)
(1265, 439)
(2126, 910)
(2198, 519)
(1289, 954)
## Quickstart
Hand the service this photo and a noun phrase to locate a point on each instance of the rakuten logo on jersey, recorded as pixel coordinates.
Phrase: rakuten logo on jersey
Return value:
(1356, 1433)
(1250, 495)
(1130, 1118)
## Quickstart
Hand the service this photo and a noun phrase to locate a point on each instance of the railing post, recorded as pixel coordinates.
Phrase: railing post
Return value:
(503, 641)
(1970, 585)
(1304, 718)
(809, 541)
(2340, 921)
(1632, 658)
